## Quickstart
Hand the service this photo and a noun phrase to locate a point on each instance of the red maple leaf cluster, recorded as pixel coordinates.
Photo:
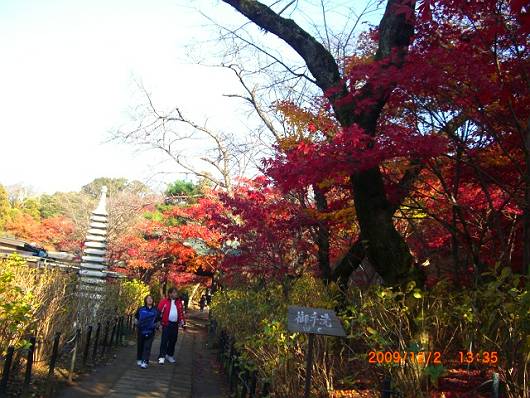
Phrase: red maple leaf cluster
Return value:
(450, 142)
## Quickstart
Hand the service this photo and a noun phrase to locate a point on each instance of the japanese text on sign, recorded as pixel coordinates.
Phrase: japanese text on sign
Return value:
(314, 320)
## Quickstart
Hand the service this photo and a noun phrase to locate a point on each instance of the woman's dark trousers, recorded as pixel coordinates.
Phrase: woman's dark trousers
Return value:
(144, 347)
(169, 339)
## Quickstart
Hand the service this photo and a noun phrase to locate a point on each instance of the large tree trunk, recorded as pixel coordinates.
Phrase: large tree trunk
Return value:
(387, 250)
(348, 263)
(526, 215)
(322, 239)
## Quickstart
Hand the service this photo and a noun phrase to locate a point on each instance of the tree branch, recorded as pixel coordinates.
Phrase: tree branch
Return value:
(319, 61)
(254, 102)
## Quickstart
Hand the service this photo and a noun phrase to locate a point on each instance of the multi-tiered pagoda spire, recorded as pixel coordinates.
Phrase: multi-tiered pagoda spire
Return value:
(94, 265)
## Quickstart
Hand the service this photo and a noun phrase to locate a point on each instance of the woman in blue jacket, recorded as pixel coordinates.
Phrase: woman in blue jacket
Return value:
(147, 318)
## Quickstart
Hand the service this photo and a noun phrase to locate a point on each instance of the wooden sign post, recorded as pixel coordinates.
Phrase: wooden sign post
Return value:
(312, 321)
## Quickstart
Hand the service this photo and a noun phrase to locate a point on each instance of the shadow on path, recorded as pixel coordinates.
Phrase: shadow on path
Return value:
(196, 374)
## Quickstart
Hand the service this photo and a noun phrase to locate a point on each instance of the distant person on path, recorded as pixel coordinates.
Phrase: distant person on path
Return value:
(208, 297)
(172, 313)
(186, 298)
(202, 302)
(147, 318)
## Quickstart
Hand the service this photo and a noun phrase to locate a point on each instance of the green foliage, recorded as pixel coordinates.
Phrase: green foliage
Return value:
(50, 206)
(156, 290)
(31, 206)
(182, 188)
(256, 317)
(33, 301)
(184, 192)
(132, 295)
(162, 214)
(15, 305)
(122, 297)
(114, 185)
(155, 216)
(44, 301)
(75, 205)
(493, 317)
(312, 292)
(4, 206)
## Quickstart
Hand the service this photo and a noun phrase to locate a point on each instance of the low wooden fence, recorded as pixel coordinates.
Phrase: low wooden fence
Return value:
(245, 382)
(243, 378)
(84, 348)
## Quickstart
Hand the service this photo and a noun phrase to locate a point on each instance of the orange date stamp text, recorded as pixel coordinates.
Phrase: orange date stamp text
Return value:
(400, 357)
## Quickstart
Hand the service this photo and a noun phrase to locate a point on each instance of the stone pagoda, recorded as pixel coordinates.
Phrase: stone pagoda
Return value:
(93, 268)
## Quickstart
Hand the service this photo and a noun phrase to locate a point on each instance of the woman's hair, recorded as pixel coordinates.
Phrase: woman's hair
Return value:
(145, 300)
(171, 290)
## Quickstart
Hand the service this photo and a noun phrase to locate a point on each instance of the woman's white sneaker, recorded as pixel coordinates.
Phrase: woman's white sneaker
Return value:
(170, 359)
(161, 361)
(139, 362)
(143, 365)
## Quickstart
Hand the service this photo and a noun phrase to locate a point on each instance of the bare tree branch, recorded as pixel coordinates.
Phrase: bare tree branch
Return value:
(254, 102)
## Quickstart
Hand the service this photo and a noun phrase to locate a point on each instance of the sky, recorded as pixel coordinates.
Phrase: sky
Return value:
(68, 76)
(69, 73)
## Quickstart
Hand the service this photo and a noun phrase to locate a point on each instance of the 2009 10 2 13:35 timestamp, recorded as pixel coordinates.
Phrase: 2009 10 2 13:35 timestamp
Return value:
(485, 357)
(434, 357)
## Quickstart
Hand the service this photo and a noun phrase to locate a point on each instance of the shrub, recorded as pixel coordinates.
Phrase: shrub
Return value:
(256, 316)
(44, 301)
(494, 317)
(15, 306)
(35, 301)
(131, 295)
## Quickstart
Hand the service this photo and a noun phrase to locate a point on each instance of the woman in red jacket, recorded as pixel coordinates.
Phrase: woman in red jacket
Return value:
(172, 314)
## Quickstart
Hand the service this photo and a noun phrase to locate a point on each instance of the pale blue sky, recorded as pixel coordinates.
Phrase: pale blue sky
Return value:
(67, 71)
(67, 77)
